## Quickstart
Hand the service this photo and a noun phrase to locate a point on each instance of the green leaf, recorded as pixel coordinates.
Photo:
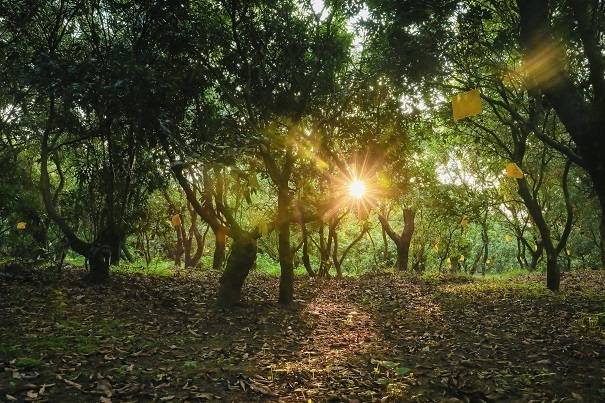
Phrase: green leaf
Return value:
(389, 364)
(403, 371)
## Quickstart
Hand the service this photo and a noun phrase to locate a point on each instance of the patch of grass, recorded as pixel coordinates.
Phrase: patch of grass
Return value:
(437, 278)
(157, 267)
(82, 344)
(591, 323)
(465, 293)
(190, 364)
(10, 351)
(28, 363)
(266, 265)
(73, 259)
(86, 344)
(504, 275)
(48, 343)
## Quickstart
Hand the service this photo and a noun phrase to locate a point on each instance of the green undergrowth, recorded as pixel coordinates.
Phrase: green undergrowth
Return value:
(591, 323)
(156, 267)
(465, 293)
(266, 265)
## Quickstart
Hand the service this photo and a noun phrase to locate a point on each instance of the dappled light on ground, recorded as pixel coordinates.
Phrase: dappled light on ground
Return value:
(378, 337)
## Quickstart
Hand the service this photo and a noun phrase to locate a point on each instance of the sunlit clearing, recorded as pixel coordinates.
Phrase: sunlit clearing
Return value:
(357, 189)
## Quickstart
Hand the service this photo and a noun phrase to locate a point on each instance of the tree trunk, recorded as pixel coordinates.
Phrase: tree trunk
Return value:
(420, 263)
(200, 244)
(535, 211)
(403, 244)
(127, 254)
(485, 238)
(179, 248)
(305, 250)
(601, 194)
(220, 240)
(536, 255)
(241, 259)
(583, 119)
(99, 259)
(553, 274)
(455, 263)
(335, 260)
(286, 278)
(402, 256)
(385, 244)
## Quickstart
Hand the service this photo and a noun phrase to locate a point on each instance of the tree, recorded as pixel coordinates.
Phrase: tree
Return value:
(578, 101)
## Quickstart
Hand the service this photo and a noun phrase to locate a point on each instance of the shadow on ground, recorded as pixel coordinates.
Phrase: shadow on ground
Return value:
(383, 337)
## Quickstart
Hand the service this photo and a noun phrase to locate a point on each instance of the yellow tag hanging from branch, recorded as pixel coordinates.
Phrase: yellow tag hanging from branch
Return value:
(513, 171)
(21, 225)
(466, 104)
(176, 220)
(263, 228)
(464, 221)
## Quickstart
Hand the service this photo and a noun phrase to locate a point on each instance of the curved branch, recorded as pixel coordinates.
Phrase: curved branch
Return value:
(77, 244)
(568, 209)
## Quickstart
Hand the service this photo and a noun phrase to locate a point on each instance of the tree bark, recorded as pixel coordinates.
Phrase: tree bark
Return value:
(305, 250)
(583, 119)
(286, 278)
(403, 247)
(535, 211)
(220, 241)
(240, 262)
(553, 272)
(536, 255)
(99, 259)
(402, 241)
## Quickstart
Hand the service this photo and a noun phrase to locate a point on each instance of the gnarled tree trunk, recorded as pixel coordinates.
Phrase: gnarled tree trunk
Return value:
(220, 241)
(402, 241)
(240, 262)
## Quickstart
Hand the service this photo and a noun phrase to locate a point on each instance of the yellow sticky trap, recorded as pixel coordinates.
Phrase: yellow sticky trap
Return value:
(263, 228)
(436, 247)
(466, 104)
(461, 258)
(464, 222)
(383, 180)
(21, 225)
(568, 252)
(176, 220)
(513, 171)
(321, 164)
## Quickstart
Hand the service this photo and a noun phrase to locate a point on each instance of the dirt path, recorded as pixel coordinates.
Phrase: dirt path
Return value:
(377, 338)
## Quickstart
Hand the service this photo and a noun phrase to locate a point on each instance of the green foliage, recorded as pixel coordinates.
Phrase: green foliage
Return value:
(269, 110)
(157, 267)
(28, 363)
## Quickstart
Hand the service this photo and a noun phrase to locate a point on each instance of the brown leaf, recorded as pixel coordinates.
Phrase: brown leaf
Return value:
(104, 387)
(257, 387)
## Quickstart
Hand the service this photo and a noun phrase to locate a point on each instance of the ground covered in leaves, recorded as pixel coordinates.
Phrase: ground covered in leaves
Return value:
(377, 338)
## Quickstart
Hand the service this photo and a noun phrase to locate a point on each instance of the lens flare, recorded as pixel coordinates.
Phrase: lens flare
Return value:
(357, 189)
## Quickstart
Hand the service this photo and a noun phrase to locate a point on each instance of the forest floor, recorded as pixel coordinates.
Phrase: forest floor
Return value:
(375, 338)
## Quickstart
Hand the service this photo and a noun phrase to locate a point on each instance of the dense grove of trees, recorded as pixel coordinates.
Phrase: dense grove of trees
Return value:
(227, 135)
